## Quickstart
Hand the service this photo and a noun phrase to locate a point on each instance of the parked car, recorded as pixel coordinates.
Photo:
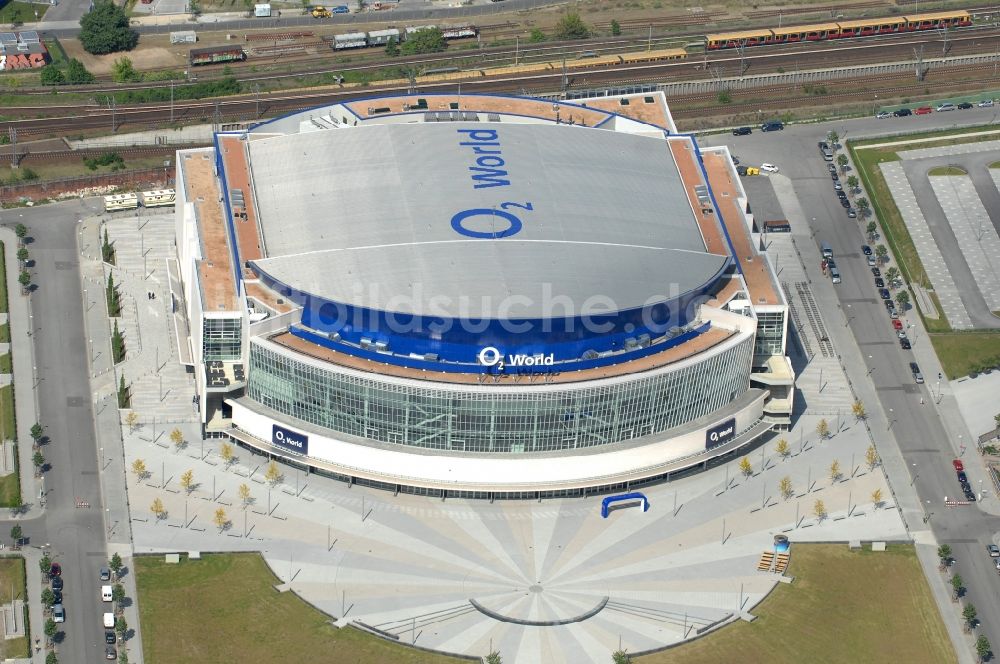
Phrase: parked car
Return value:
(841, 193)
(832, 168)
(879, 283)
(110, 652)
(905, 344)
(965, 105)
(844, 203)
(924, 110)
(55, 570)
(898, 325)
(834, 176)
(773, 125)
(58, 613)
(883, 115)
(884, 293)
(742, 131)
(837, 186)
(902, 112)
(823, 145)
(962, 477)
(851, 214)
(915, 371)
(993, 550)
(866, 250)
(830, 263)
(736, 160)
(946, 107)
(986, 103)
(109, 636)
(105, 574)
(768, 168)
(57, 597)
(958, 465)
(57, 583)
(876, 272)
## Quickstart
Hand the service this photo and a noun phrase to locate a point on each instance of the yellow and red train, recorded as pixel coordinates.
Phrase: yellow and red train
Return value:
(867, 27)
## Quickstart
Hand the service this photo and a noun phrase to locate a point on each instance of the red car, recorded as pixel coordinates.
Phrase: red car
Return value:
(924, 110)
(55, 570)
(897, 324)
(958, 465)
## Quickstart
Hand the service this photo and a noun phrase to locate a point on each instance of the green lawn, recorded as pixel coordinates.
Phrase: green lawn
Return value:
(12, 575)
(844, 606)
(5, 333)
(223, 609)
(7, 421)
(3, 280)
(947, 170)
(21, 12)
(5, 364)
(963, 352)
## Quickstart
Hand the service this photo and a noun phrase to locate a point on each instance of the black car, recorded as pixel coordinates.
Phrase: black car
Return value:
(965, 105)
(879, 283)
(57, 583)
(884, 293)
(851, 214)
(831, 263)
(773, 125)
(109, 636)
(841, 193)
(736, 160)
(903, 112)
(741, 170)
(970, 496)
(844, 203)
(889, 305)
(831, 168)
(57, 594)
(876, 272)
(742, 131)
(834, 176)
(962, 477)
(866, 250)
(905, 343)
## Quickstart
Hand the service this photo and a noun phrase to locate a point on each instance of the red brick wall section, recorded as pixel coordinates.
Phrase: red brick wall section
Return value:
(88, 185)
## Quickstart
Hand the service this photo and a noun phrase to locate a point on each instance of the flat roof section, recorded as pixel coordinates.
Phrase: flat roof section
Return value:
(755, 272)
(215, 270)
(683, 151)
(712, 337)
(654, 113)
(237, 169)
(541, 108)
(410, 218)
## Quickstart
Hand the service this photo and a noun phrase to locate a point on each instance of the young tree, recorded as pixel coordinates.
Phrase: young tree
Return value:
(785, 487)
(842, 162)
(244, 493)
(819, 509)
(835, 471)
(227, 454)
(37, 432)
(105, 29)
(858, 408)
(157, 508)
(882, 253)
(39, 460)
(616, 28)
(24, 279)
(52, 75)
(571, 26)
(118, 595)
(823, 429)
(969, 613)
(871, 228)
(537, 36)
(944, 554)
(902, 299)
(956, 584)
(132, 420)
(621, 657)
(746, 467)
(428, 40)
(494, 658)
(115, 564)
(122, 70)
(983, 648)
(187, 480)
(392, 47)
(77, 74)
(16, 533)
(877, 497)
(51, 658)
(273, 474)
(45, 564)
(177, 438)
(781, 447)
(863, 205)
(50, 629)
(48, 598)
(852, 182)
(121, 626)
(122, 656)
(871, 457)
(139, 468)
(220, 519)
(832, 137)
(21, 231)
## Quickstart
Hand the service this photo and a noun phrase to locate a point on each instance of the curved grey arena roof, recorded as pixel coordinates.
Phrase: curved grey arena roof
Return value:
(365, 216)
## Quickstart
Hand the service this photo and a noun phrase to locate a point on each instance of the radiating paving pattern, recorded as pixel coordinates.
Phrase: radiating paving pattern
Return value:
(974, 232)
(927, 249)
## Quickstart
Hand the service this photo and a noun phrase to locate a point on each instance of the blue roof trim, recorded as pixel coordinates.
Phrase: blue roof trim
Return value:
(715, 204)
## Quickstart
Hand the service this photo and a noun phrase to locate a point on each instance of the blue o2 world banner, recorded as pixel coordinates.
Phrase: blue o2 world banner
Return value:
(720, 433)
(289, 440)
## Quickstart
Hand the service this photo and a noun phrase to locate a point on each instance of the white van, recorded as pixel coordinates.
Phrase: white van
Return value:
(109, 621)
(106, 593)
(826, 250)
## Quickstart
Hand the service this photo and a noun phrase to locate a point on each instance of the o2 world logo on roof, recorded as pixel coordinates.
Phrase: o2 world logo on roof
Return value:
(488, 171)
(492, 357)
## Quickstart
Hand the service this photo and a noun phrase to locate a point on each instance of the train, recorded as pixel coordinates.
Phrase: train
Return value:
(867, 27)
(382, 37)
(212, 55)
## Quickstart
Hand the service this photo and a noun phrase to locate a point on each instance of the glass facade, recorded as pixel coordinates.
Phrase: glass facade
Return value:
(221, 339)
(770, 331)
(502, 420)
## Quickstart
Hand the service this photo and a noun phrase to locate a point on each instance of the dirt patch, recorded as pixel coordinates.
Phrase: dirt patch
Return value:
(144, 58)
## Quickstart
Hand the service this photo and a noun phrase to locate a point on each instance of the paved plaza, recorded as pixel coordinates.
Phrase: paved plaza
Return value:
(539, 581)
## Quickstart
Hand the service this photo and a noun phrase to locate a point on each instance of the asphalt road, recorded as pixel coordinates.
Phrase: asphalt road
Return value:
(76, 536)
(922, 439)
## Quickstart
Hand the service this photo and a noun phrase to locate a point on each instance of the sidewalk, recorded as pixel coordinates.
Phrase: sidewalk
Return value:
(107, 421)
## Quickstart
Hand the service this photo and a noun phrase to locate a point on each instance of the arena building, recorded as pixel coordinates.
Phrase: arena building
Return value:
(481, 296)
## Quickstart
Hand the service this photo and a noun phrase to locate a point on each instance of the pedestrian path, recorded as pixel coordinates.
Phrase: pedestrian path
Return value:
(927, 249)
(973, 229)
(948, 150)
